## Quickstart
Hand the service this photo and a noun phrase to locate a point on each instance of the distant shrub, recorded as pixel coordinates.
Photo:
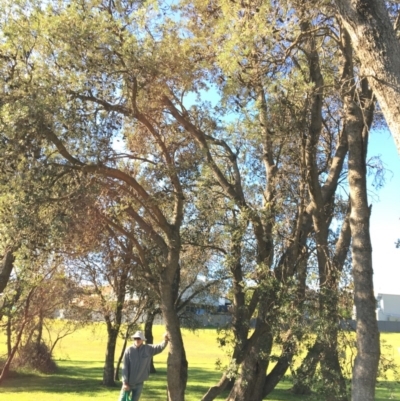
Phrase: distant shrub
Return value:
(37, 357)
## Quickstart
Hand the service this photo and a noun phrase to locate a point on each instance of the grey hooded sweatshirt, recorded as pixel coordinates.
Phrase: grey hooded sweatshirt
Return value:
(137, 362)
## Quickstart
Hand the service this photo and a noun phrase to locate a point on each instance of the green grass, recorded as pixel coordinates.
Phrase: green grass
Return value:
(80, 361)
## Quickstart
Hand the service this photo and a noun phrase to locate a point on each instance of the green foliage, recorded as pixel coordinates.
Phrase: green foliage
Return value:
(388, 369)
(388, 374)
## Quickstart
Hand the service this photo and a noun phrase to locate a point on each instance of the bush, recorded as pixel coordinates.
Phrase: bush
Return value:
(35, 356)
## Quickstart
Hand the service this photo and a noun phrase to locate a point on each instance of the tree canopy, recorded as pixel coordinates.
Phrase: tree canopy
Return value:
(196, 142)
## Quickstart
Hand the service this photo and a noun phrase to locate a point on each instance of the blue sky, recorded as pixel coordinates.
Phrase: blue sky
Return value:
(385, 216)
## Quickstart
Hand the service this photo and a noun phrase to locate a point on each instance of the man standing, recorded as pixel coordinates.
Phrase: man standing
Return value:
(137, 361)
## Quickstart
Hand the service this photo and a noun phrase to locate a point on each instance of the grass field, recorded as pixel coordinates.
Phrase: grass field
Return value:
(80, 361)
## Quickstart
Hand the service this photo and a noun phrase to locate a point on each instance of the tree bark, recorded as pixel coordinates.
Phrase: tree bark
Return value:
(358, 119)
(375, 43)
(177, 364)
(368, 347)
(249, 385)
(148, 333)
(216, 390)
(177, 372)
(280, 368)
(108, 370)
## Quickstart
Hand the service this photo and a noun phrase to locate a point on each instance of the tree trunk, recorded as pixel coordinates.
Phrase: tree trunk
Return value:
(249, 385)
(6, 266)
(358, 122)
(306, 371)
(325, 352)
(177, 372)
(121, 356)
(9, 336)
(368, 347)
(108, 370)
(376, 45)
(148, 333)
(216, 390)
(39, 329)
(177, 363)
(280, 368)
(114, 327)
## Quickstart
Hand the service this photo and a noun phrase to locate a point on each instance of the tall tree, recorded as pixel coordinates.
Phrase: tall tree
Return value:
(81, 97)
(252, 86)
(368, 345)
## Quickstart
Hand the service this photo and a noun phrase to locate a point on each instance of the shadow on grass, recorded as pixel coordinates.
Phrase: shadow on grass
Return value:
(71, 377)
(387, 390)
(85, 378)
(200, 380)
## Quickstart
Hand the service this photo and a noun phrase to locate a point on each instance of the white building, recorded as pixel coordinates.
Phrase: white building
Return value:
(388, 307)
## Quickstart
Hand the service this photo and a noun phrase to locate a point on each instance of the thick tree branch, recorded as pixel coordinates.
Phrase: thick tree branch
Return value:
(6, 266)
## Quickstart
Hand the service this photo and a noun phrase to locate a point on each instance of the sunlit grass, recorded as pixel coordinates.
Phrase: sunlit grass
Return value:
(80, 361)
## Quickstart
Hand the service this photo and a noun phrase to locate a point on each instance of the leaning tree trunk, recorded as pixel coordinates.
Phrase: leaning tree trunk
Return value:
(121, 356)
(376, 45)
(368, 348)
(249, 385)
(6, 266)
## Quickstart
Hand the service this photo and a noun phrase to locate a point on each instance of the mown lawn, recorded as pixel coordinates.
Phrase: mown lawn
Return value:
(80, 361)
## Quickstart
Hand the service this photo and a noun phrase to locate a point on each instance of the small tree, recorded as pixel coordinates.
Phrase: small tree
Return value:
(30, 304)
